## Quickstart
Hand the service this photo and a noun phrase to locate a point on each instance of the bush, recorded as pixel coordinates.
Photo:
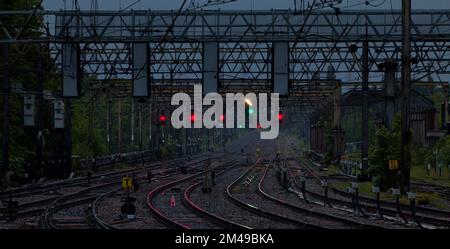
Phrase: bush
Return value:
(387, 147)
(442, 147)
(168, 151)
(16, 164)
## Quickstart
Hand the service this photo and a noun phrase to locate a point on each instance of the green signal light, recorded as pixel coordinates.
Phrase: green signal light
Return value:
(250, 111)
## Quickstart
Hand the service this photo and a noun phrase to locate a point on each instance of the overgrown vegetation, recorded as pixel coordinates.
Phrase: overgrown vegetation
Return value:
(23, 69)
(352, 125)
(303, 143)
(329, 142)
(387, 147)
(168, 151)
(439, 154)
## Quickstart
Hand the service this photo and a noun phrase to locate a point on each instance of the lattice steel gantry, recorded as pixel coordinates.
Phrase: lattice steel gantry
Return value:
(245, 40)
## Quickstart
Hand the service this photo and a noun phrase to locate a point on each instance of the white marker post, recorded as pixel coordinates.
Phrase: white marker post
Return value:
(376, 190)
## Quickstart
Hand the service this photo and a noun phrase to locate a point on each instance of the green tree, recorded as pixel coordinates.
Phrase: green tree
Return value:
(23, 61)
(442, 148)
(387, 147)
(22, 69)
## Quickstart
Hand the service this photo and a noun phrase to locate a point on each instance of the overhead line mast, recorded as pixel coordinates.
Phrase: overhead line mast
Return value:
(405, 159)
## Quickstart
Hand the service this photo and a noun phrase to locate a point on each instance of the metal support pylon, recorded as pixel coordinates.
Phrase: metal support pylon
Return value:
(406, 88)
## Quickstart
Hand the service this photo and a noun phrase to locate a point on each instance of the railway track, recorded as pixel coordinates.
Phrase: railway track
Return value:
(430, 218)
(319, 216)
(92, 195)
(183, 214)
(105, 221)
(74, 203)
(102, 223)
(204, 212)
(47, 187)
(47, 196)
(434, 188)
(158, 203)
(99, 222)
(37, 188)
(187, 214)
(251, 201)
(214, 204)
(343, 200)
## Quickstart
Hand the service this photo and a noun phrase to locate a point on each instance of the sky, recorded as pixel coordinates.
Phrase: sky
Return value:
(242, 4)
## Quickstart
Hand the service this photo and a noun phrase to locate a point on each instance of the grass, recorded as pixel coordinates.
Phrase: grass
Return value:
(419, 173)
(331, 170)
(365, 189)
(353, 156)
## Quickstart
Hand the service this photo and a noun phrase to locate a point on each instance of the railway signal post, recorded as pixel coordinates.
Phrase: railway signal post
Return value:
(11, 208)
(303, 184)
(149, 177)
(396, 193)
(412, 203)
(324, 185)
(207, 177)
(5, 150)
(89, 176)
(376, 190)
(128, 209)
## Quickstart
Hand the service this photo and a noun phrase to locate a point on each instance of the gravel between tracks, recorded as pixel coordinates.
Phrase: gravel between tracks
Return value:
(109, 207)
(216, 202)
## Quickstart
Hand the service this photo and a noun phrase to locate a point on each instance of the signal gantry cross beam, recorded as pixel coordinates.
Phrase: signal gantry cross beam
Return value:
(245, 41)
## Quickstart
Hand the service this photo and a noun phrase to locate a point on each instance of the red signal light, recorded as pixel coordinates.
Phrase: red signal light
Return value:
(162, 118)
(280, 116)
(193, 118)
(222, 117)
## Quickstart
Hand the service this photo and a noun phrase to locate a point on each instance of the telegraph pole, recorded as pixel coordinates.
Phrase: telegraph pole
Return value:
(5, 110)
(91, 124)
(150, 123)
(140, 134)
(132, 123)
(40, 114)
(406, 85)
(119, 124)
(140, 126)
(108, 121)
(365, 107)
(158, 128)
(68, 136)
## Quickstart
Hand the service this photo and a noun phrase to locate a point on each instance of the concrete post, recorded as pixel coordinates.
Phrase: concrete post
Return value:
(365, 109)
(5, 150)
